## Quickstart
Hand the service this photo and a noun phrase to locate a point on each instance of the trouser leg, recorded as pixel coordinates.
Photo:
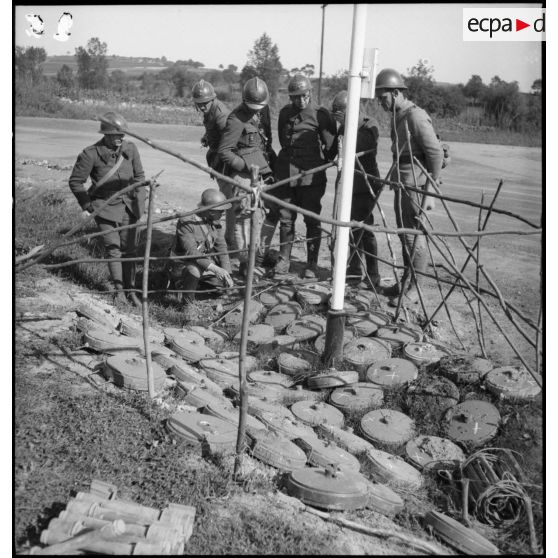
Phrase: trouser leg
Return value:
(111, 245)
(230, 216)
(128, 242)
(189, 281)
(310, 198)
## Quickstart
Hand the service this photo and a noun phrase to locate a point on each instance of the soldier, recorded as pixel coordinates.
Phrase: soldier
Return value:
(214, 120)
(307, 136)
(201, 235)
(425, 146)
(246, 141)
(113, 163)
(363, 201)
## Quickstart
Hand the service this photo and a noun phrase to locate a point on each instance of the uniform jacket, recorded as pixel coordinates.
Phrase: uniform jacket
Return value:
(307, 139)
(246, 140)
(95, 161)
(214, 121)
(424, 144)
(367, 139)
(196, 236)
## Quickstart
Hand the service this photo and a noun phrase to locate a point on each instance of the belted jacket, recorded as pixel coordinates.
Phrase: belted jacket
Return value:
(214, 121)
(367, 139)
(246, 141)
(96, 161)
(196, 236)
(307, 139)
(425, 146)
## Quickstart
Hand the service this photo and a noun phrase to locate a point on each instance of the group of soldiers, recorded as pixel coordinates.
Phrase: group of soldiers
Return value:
(237, 139)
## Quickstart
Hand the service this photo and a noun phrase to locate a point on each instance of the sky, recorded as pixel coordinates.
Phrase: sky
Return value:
(223, 34)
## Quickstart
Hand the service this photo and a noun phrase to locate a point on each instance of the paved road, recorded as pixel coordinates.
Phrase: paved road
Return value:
(475, 168)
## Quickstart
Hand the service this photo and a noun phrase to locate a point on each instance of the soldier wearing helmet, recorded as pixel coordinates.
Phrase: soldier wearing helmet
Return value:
(113, 164)
(364, 249)
(215, 115)
(201, 235)
(307, 136)
(246, 141)
(425, 146)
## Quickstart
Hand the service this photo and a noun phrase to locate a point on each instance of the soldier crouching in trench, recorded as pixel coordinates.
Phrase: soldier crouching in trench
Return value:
(201, 235)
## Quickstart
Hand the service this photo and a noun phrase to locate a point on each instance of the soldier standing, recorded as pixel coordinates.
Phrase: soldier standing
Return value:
(426, 147)
(246, 141)
(307, 136)
(113, 164)
(365, 248)
(215, 115)
(201, 235)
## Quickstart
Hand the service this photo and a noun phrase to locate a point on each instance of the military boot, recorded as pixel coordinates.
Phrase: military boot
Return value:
(313, 248)
(286, 238)
(119, 297)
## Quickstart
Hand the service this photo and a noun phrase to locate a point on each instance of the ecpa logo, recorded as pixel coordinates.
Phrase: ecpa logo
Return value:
(504, 24)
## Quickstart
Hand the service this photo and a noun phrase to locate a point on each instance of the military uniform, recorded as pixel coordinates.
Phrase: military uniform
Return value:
(426, 147)
(196, 236)
(214, 121)
(96, 161)
(363, 202)
(246, 141)
(307, 139)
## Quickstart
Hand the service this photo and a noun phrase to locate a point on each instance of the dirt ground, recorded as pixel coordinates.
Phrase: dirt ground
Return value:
(513, 261)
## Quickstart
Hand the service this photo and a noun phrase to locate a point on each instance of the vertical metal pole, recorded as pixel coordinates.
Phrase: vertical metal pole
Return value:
(321, 55)
(243, 395)
(336, 319)
(144, 288)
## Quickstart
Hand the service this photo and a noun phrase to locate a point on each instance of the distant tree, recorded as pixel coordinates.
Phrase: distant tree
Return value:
(247, 72)
(337, 82)
(294, 71)
(536, 88)
(190, 63)
(65, 77)
(221, 66)
(28, 63)
(164, 59)
(230, 75)
(503, 103)
(118, 81)
(474, 88)
(183, 80)
(264, 58)
(308, 70)
(92, 64)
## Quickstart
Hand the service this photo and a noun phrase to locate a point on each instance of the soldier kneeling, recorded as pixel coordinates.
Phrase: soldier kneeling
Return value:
(201, 235)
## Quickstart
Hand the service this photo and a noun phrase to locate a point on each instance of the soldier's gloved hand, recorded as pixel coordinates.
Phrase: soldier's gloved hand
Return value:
(221, 274)
(87, 211)
(203, 141)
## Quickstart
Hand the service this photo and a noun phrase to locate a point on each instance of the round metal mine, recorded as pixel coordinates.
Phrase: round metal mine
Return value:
(214, 339)
(277, 451)
(313, 294)
(234, 318)
(258, 335)
(190, 348)
(357, 397)
(332, 378)
(281, 315)
(314, 413)
(512, 382)
(296, 362)
(432, 395)
(363, 351)
(171, 332)
(324, 453)
(319, 343)
(330, 488)
(391, 372)
(130, 372)
(111, 342)
(281, 294)
(389, 468)
(195, 427)
(387, 428)
(383, 499)
(398, 335)
(361, 324)
(232, 415)
(433, 453)
(424, 353)
(270, 377)
(466, 369)
(473, 422)
(291, 428)
(307, 327)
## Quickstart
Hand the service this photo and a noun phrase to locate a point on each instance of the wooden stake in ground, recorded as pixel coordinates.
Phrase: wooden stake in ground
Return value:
(480, 330)
(254, 231)
(145, 283)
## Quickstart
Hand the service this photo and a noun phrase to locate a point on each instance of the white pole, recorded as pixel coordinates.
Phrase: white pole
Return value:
(348, 155)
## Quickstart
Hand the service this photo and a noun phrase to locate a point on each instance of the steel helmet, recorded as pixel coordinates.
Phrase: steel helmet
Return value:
(389, 79)
(203, 92)
(255, 94)
(118, 127)
(339, 103)
(299, 85)
(211, 196)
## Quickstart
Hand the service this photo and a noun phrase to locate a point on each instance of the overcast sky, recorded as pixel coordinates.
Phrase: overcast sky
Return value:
(223, 34)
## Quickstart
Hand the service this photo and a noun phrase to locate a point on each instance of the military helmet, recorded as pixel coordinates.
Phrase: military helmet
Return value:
(211, 196)
(118, 127)
(339, 103)
(389, 79)
(299, 85)
(255, 94)
(203, 92)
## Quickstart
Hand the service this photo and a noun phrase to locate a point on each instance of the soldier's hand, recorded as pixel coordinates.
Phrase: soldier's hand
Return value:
(203, 142)
(221, 274)
(85, 214)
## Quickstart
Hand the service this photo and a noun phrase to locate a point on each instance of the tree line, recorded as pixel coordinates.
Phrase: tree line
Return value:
(498, 103)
